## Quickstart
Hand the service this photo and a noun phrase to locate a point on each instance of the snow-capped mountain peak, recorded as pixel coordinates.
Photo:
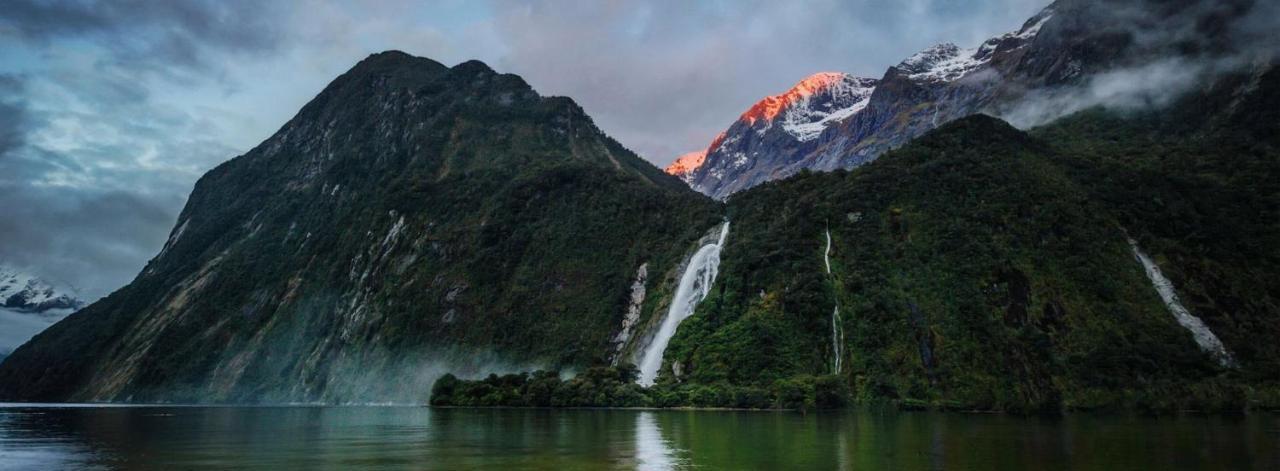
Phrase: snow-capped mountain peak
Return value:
(944, 62)
(811, 105)
(947, 63)
(24, 292)
(686, 164)
(806, 119)
(769, 108)
(828, 121)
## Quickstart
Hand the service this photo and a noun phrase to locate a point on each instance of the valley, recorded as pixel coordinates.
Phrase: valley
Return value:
(422, 233)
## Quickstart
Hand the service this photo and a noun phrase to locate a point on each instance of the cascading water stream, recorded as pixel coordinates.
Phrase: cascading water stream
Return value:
(1203, 336)
(694, 286)
(837, 333)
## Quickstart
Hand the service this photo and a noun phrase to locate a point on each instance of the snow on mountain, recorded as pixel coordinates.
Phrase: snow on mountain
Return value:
(943, 62)
(826, 122)
(22, 291)
(28, 305)
(947, 63)
(812, 104)
(807, 117)
(775, 125)
(686, 164)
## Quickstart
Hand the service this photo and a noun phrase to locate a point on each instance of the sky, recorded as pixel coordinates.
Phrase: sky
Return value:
(110, 111)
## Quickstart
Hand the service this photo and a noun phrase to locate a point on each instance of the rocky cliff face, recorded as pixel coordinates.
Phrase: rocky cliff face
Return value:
(412, 217)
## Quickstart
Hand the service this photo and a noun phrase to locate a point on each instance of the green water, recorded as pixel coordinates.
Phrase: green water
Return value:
(60, 437)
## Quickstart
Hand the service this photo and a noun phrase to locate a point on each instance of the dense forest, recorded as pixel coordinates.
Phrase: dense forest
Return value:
(981, 267)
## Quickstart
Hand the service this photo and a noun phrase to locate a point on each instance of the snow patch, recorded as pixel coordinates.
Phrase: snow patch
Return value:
(943, 63)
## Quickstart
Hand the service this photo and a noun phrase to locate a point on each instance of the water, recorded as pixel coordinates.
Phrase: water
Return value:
(837, 331)
(53, 437)
(694, 286)
(1203, 336)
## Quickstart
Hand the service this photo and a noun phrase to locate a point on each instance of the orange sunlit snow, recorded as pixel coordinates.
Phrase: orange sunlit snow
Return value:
(769, 107)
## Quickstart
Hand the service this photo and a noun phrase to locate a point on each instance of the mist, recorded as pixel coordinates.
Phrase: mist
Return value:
(1175, 49)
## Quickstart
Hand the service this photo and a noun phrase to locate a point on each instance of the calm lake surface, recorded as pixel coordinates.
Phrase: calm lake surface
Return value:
(163, 437)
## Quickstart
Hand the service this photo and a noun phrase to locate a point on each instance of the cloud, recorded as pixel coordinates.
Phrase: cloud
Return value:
(1177, 48)
(1151, 85)
(12, 126)
(158, 37)
(95, 158)
(91, 240)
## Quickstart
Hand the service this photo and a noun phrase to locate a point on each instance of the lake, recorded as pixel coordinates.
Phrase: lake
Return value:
(48, 437)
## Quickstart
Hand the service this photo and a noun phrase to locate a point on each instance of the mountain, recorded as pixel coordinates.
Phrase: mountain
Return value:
(1108, 260)
(1114, 260)
(1071, 55)
(21, 291)
(779, 125)
(30, 304)
(412, 218)
(1111, 260)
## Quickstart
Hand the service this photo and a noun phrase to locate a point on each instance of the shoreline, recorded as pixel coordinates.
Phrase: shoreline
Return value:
(861, 408)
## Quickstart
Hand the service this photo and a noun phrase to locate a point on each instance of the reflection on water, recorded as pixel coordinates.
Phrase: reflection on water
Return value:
(46, 437)
(652, 451)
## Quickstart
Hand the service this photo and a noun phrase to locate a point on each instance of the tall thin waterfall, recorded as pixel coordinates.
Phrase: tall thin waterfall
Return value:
(694, 286)
(837, 331)
(1203, 336)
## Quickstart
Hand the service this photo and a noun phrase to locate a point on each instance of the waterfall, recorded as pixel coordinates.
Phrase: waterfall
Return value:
(837, 332)
(694, 286)
(1203, 336)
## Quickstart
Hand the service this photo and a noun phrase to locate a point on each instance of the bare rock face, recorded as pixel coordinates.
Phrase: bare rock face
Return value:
(635, 304)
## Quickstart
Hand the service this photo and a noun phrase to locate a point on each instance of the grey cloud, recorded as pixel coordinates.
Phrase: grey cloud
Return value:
(1209, 38)
(158, 36)
(12, 126)
(14, 119)
(92, 179)
(1151, 85)
(92, 240)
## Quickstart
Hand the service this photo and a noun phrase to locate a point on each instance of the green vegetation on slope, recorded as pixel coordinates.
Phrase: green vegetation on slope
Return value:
(616, 387)
(1198, 185)
(980, 267)
(412, 217)
(971, 272)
